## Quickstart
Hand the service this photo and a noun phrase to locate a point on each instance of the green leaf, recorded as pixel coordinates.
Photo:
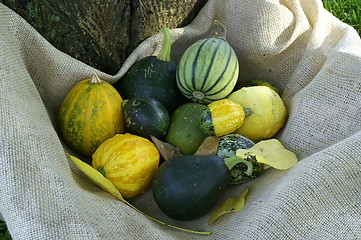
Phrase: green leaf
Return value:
(230, 205)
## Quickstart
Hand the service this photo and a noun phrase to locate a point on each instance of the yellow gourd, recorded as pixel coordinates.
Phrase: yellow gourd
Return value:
(221, 117)
(91, 113)
(128, 161)
(265, 112)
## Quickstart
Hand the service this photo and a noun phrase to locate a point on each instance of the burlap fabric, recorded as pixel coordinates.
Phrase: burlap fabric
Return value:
(297, 45)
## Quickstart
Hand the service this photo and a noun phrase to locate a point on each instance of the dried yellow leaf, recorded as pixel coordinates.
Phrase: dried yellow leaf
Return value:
(166, 150)
(272, 153)
(209, 146)
(228, 206)
(96, 177)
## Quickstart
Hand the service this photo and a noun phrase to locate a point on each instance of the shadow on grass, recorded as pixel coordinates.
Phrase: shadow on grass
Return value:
(4, 232)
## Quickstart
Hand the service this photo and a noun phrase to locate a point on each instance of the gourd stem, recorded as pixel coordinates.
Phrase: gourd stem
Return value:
(94, 79)
(101, 170)
(198, 95)
(247, 111)
(219, 30)
(234, 160)
(164, 54)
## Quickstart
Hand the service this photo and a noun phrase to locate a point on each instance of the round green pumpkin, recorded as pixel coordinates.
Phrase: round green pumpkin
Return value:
(184, 130)
(146, 117)
(208, 70)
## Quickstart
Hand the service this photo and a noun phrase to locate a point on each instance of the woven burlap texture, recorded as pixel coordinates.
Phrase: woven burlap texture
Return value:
(297, 45)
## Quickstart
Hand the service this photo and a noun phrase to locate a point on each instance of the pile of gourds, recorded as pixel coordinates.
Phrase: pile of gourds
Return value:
(180, 105)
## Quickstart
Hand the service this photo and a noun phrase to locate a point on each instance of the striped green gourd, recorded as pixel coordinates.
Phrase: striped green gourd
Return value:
(208, 70)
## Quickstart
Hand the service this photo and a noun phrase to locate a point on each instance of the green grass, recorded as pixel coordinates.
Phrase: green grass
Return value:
(4, 233)
(348, 11)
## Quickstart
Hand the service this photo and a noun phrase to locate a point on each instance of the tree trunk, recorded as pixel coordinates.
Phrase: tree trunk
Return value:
(102, 33)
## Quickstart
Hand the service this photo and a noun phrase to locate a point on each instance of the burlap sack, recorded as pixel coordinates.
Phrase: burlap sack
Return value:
(297, 45)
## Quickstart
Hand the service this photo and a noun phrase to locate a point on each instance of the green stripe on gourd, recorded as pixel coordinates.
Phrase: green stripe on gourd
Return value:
(208, 70)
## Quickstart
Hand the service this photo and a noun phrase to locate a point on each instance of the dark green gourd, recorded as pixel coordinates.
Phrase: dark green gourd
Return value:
(153, 77)
(243, 169)
(188, 186)
(230, 143)
(184, 130)
(145, 117)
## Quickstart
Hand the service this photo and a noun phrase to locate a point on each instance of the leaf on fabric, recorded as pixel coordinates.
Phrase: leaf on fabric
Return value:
(166, 150)
(209, 146)
(96, 177)
(271, 152)
(228, 206)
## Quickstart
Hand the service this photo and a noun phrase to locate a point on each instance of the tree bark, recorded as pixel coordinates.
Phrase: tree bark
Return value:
(102, 33)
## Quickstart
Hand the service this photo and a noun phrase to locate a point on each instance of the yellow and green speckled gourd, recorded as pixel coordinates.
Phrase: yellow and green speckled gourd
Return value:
(221, 117)
(91, 113)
